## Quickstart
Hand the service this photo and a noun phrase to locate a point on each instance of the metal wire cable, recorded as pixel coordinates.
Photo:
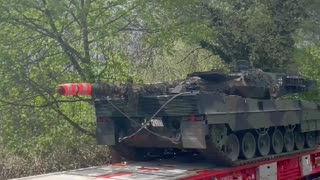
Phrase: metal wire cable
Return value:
(144, 126)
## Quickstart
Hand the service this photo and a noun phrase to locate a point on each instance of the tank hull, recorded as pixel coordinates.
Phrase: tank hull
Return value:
(209, 123)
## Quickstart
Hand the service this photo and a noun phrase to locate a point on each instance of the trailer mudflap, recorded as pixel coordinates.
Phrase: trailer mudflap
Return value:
(105, 132)
(193, 134)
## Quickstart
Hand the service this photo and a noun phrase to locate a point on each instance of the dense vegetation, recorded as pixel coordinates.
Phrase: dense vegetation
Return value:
(46, 42)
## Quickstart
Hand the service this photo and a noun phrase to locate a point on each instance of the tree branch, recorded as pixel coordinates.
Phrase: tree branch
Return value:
(188, 55)
(85, 32)
(70, 51)
(104, 68)
(121, 15)
(47, 104)
(55, 107)
(104, 9)
(216, 50)
(32, 26)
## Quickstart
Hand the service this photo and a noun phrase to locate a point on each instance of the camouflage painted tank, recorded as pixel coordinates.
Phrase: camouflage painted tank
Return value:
(229, 118)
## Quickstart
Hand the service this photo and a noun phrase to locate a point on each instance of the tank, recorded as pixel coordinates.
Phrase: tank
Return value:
(229, 118)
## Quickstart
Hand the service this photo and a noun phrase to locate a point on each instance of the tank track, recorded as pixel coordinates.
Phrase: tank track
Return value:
(215, 155)
(211, 154)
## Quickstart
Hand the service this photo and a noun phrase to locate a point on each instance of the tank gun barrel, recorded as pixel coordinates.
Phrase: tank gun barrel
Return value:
(104, 89)
(87, 89)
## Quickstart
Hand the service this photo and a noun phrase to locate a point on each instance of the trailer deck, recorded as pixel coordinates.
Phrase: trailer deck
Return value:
(304, 165)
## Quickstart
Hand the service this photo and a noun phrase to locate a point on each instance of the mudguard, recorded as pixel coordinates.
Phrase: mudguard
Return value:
(105, 132)
(193, 134)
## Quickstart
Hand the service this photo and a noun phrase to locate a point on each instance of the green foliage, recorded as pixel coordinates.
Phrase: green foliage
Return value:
(78, 33)
(308, 60)
(46, 42)
(182, 60)
(259, 31)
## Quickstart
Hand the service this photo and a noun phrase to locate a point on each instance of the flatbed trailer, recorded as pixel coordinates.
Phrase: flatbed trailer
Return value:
(299, 166)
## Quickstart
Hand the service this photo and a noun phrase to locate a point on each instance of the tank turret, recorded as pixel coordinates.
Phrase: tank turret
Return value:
(244, 82)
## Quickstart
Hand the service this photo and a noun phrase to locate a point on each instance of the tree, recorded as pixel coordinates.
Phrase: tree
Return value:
(259, 31)
(46, 42)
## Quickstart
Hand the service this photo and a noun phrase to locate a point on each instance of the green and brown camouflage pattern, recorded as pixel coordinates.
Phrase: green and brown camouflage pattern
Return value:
(207, 108)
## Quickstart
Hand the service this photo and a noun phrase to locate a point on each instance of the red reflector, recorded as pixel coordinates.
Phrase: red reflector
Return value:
(193, 118)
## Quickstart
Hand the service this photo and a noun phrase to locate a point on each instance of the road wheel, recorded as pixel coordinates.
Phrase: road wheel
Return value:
(248, 145)
(288, 141)
(311, 139)
(277, 141)
(263, 144)
(232, 147)
(299, 140)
